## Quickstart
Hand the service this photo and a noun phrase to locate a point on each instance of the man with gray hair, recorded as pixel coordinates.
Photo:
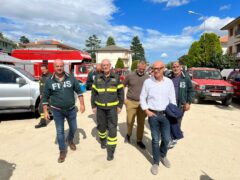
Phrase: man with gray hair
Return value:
(134, 81)
(107, 101)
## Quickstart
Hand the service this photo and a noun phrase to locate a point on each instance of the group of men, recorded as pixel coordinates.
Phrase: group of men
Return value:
(146, 97)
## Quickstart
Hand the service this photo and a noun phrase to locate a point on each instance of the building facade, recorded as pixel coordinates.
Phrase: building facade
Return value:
(233, 44)
(6, 45)
(113, 53)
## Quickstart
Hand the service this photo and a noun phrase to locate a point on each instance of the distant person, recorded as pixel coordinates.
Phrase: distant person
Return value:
(157, 93)
(107, 101)
(45, 76)
(183, 90)
(60, 90)
(134, 82)
(92, 75)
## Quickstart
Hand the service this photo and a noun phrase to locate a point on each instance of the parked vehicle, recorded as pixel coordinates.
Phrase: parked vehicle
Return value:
(208, 84)
(19, 90)
(76, 62)
(234, 79)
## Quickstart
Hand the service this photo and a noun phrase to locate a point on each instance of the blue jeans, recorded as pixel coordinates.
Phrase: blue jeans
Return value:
(159, 125)
(59, 117)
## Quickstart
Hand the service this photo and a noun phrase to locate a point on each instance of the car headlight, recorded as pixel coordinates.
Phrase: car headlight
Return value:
(229, 88)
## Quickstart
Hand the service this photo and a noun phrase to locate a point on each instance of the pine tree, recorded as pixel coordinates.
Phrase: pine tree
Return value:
(110, 41)
(92, 43)
(24, 40)
(119, 64)
(137, 49)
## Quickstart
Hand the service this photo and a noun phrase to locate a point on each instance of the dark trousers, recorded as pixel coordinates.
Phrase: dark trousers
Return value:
(159, 126)
(107, 119)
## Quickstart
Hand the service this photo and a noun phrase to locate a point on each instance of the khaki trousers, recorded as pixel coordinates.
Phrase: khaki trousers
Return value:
(133, 109)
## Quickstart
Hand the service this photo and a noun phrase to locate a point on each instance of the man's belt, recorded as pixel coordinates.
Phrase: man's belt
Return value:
(158, 112)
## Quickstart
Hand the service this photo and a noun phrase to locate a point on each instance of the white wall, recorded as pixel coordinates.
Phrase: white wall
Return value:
(113, 57)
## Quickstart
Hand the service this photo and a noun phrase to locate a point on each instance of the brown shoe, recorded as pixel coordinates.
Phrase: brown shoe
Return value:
(72, 146)
(62, 156)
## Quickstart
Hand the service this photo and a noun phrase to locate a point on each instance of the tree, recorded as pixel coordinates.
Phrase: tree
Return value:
(137, 49)
(24, 40)
(92, 43)
(1, 35)
(119, 64)
(110, 41)
(134, 65)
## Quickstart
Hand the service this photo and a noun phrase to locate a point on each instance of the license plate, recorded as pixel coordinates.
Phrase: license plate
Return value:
(215, 94)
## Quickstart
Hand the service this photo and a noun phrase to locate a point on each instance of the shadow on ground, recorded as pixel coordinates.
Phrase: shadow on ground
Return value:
(76, 139)
(6, 169)
(17, 116)
(205, 177)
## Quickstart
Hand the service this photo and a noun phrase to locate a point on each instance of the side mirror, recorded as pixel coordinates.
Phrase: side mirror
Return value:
(20, 80)
(224, 78)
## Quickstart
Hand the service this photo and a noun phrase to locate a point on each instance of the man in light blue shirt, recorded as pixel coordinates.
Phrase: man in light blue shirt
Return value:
(157, 92)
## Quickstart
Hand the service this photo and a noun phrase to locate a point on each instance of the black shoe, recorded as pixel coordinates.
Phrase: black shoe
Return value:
(141, 145)
(103, 144)
(127, 139)
(40, 125)
(110, 154)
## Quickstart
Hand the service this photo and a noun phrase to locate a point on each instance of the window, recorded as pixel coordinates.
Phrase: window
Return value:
(231, 32)
(7, 76)
(232, 76)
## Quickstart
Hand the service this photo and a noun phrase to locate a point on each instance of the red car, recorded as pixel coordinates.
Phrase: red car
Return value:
(208, 84)
(234, 79)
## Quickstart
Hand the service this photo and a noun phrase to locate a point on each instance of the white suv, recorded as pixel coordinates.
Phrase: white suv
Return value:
(19, 90)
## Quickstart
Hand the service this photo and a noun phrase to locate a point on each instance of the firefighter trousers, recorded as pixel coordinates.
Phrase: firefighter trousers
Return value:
(40, 110)
(107, 120)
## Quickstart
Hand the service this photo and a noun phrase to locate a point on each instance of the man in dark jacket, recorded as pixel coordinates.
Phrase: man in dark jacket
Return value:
(183, 89)
(43, 79)
(92, 75)
(107, 101)
(60, 90)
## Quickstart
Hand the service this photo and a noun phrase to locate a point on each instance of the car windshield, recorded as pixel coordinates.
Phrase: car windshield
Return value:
(207, 74)
(25, 73)
(237, 78)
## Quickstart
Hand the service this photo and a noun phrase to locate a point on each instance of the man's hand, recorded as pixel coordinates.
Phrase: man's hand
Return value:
(82, 108)
(149, 113)
(46, 116)
(94, 110)
(186, 107)
(119, 110)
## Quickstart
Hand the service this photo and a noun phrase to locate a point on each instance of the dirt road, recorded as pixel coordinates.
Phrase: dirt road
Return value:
(210, 149)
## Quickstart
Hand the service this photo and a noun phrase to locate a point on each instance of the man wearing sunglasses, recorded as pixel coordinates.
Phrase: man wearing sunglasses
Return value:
(157, 93)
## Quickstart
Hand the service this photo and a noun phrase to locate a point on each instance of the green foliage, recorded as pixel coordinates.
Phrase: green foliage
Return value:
(137, 49)
(168, 65)
(1, 35)
(119, 64)
(110, 41)
(92, 43)
(134, 65)
(206, 52)
(24, 40)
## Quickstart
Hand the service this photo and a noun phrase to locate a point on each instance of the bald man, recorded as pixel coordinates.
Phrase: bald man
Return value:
(157, 93)
(59, 89)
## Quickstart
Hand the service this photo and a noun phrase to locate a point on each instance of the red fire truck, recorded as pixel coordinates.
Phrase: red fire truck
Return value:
(76, 62)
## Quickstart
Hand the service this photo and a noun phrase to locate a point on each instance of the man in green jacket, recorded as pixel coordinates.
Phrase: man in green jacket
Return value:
(60, 90)
(107, 101)
(45, 75)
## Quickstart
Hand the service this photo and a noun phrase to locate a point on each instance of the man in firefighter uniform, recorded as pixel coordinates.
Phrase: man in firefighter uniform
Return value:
(43, 79)
(107, 101)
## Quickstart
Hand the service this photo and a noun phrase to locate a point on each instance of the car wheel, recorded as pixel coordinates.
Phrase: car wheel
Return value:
(227, 101)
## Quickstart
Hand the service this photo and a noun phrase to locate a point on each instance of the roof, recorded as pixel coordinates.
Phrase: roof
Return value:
(231, 24)
(49, 42)
(113, 48)
(223, 39)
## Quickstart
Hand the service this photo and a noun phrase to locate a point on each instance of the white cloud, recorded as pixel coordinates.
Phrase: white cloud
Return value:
(211, 24)
(171, 3)
(164, 55)
(225, 7)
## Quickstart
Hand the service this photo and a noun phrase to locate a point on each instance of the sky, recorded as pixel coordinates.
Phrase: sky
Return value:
(164, 27)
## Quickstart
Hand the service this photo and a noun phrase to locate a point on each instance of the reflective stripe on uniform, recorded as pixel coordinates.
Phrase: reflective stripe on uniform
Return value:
(120, 86)
(42, 115)
(111, 89)
(98, 89)
(108, 104)
(112, 141)
(102, 135)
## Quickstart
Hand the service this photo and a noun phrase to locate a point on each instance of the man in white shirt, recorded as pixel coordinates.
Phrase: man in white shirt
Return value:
(157, 92)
